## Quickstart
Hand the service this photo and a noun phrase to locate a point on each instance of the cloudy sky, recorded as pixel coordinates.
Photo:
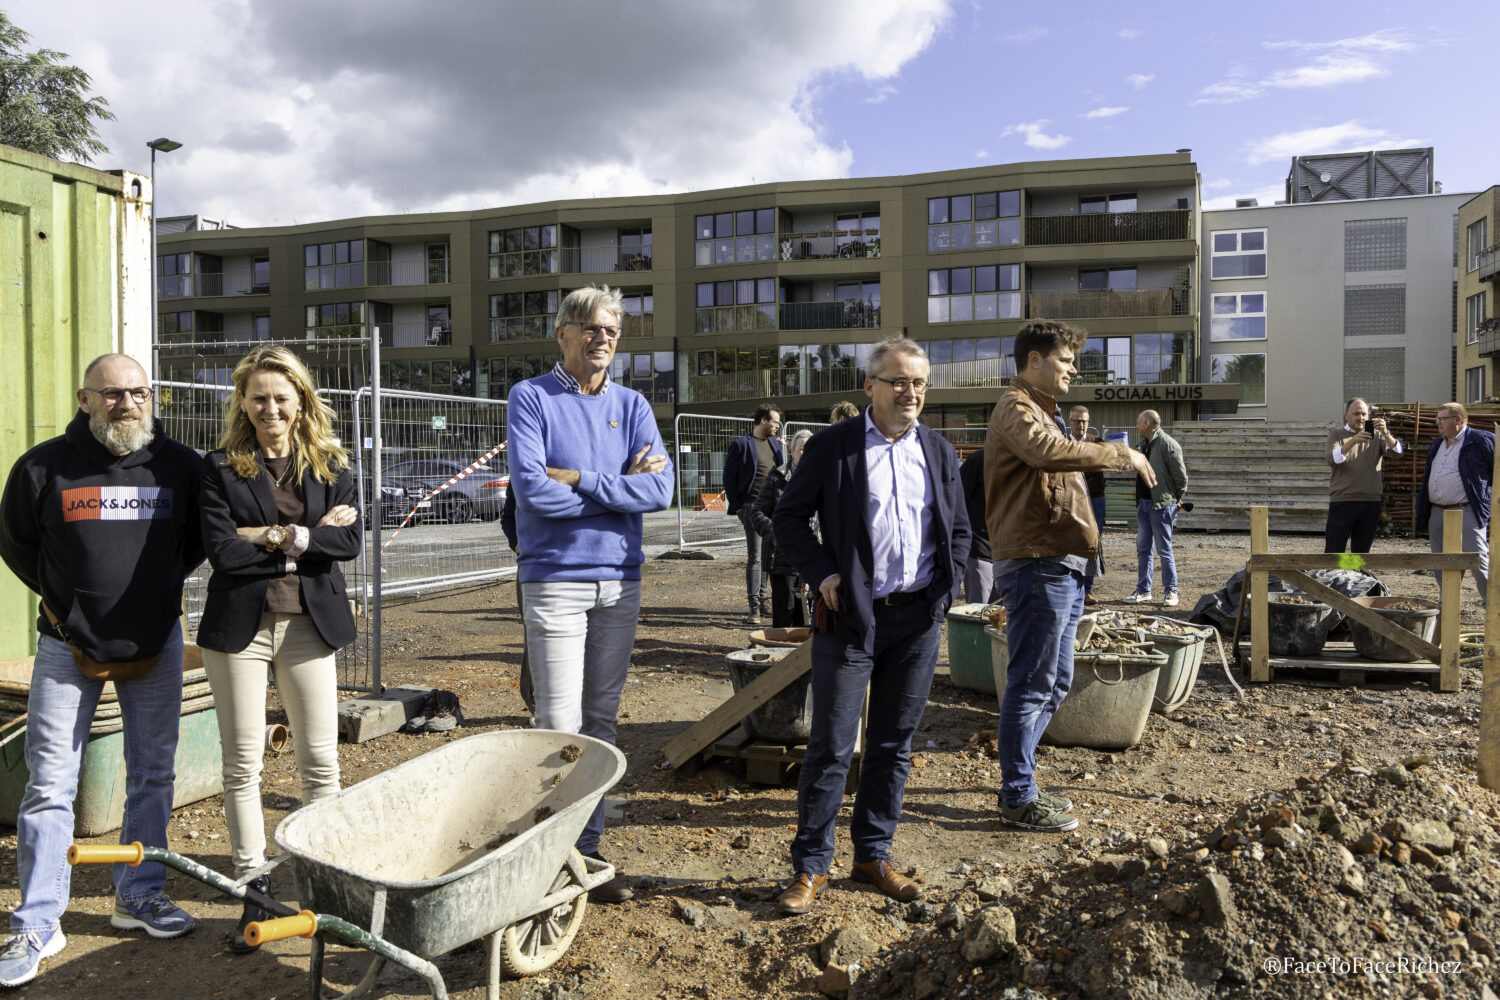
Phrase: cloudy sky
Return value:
(303, 110)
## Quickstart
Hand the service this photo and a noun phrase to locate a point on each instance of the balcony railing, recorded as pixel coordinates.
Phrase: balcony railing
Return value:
(180, 286)
(604, 259)
(1489, 262)
(504, 329)
(407, 272)
(1109, 227)
(416, 334)
(766, 383)
(830, 244)
(849, 314)
(1488, 344)
(1107, 304)
(1098, 369)
(983, 374)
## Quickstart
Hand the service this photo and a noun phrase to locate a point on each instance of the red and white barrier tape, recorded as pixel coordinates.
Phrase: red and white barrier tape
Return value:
(472, 468)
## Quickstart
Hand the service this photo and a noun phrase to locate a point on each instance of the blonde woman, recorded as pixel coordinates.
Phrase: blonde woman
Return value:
(278, 513)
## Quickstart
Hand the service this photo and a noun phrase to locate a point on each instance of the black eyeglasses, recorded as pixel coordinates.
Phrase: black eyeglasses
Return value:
(592, 330)
(114, 395)
(902, 384)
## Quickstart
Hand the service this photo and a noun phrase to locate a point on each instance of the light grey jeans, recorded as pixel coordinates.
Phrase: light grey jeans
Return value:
(1476, 539)
(579, 635)
(307, 684)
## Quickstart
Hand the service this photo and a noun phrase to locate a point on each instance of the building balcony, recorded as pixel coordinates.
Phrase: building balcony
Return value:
(850, 314)
(605, 259)
(1488, 344)
(416, 334)
(1109, 227)
(1489, 263)
(406, 272)
(771, 383)
(1122, 304)
(182, 286)
(830, 244)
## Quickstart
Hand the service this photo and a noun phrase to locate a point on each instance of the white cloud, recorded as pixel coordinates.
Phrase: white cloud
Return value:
(1379, 41)
(1025, 35)
(1130, 34)
(1328, 70)
(314, 113)
(1217, 183)
(1036, 138)
(883, 93)
(1347, 60)
(981, 154)
(1105, 112)
(1139, 80)
(1349, 136)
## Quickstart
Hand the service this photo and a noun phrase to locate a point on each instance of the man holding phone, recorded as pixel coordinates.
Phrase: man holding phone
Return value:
(1355, 453)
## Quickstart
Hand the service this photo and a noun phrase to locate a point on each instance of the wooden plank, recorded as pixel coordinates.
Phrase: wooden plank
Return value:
(768, 685)
(1260, 634)
(1367, 617)
(1388, 561)
(1452, 591)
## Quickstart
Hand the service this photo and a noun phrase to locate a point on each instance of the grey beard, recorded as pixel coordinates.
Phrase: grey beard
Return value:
(118, 438)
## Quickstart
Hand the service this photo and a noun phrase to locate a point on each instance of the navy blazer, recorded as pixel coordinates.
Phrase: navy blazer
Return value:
(242, 571)
(832, 482)
(740, 466)
(1476, 460)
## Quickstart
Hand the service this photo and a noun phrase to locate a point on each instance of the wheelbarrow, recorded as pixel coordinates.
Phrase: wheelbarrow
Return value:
(473, 840)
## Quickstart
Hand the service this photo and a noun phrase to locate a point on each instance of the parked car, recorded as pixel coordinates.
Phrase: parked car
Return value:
(481, 494)
(397, 499)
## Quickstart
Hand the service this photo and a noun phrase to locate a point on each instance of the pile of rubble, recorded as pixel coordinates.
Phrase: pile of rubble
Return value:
(1370, 881)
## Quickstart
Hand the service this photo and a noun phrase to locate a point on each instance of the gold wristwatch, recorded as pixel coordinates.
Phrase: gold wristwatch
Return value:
(275, 535)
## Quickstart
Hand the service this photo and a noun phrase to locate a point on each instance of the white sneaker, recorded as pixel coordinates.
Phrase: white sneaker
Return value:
(1139, 598)
(1171, 600)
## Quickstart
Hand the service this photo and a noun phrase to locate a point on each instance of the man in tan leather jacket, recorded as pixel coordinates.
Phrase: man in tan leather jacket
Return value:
(1042, 535)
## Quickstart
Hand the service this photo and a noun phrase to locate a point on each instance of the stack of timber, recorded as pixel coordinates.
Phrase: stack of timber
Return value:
(1416, 425)
(1232, 465)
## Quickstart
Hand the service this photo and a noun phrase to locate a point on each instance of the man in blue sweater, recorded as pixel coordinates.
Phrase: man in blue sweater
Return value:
(586, 461)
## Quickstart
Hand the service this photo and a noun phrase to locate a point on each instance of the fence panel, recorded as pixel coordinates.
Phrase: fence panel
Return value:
(701, 443)
(791, 427)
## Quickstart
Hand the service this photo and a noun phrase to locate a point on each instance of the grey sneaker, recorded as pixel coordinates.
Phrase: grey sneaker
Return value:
(22, 956)
(753, 618)
(1057, 803)
(1139, 598)
(1035, 816)
(156, 915)
(1171, 600)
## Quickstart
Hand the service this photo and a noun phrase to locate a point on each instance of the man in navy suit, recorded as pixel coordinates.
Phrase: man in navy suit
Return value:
(888, 498)
(1457, 477)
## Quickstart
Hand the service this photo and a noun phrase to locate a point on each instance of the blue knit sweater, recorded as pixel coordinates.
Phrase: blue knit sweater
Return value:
(591, 531)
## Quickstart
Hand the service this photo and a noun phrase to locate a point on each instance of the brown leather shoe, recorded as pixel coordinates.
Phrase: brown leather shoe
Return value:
(887, 879)
(799, 896)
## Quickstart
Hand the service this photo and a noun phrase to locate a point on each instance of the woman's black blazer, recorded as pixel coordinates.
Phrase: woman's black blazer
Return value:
(242, 571)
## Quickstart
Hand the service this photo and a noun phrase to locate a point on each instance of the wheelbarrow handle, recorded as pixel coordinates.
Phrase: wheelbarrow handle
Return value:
(131, 854)
(304, 924)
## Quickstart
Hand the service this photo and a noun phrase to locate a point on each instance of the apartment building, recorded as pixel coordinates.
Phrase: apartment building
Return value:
(1478, 286)
(736, 296)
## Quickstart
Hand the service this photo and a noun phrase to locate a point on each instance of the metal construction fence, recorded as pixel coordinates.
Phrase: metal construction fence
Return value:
(791, 427)
(700, 445)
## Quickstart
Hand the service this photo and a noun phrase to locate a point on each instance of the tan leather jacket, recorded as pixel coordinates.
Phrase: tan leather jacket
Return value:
(1037, 504)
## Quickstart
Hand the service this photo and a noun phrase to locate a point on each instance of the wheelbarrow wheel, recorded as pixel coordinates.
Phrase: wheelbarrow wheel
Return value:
(528, 946)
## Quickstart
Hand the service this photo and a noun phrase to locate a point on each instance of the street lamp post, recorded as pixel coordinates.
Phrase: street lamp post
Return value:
(164, 145)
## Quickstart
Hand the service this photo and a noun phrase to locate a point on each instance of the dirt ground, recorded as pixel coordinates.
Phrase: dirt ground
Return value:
(707, 850)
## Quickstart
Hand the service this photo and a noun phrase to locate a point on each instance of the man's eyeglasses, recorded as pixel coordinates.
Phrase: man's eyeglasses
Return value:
(114, 395)
(919, 385)
(592, 330)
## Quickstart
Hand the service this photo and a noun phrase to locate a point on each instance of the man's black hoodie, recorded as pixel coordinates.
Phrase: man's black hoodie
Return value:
(105, 539)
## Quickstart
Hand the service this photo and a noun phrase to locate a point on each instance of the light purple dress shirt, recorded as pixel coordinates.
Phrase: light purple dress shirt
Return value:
(900, 499)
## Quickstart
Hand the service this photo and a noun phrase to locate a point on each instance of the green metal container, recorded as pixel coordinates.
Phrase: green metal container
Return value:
(969, 649)
(101, 782)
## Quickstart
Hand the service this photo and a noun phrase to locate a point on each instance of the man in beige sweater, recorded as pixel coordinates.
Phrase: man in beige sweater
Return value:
(1355, 452)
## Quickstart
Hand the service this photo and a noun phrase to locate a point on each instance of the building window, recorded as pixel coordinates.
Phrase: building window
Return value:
(527, 250)
(736, 306)
(1114, 279)
(1095, 204)
(1474, 384)
(260, 276)
(336, 321)
(974, 221)
(653, 374)
(735, 237)
(437, 263)
(960, 294)
(175, 327)
(635, 252)
(1239, 254)
(523, 316)
(1375, 245)
(174, 275)
(1478, 235)
(1474, 316)
(333, 265)
(639, 319)
(439, 328)
(1239, 316)
(1374, 310)
(260, 326)
(1249, 370)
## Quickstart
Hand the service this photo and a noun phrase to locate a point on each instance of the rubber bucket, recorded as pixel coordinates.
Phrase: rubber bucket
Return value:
(968, 649)
(1298, 629)
(1109, 702)
(786, 718)
(1000, 649)
(1180, 672)
(1422, 620)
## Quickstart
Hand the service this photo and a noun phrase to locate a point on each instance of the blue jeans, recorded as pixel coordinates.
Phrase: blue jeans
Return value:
(1043, 602)
(579, 635)
(1097, 503)
(58, 714)
(1153, 530)
(899, 676)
